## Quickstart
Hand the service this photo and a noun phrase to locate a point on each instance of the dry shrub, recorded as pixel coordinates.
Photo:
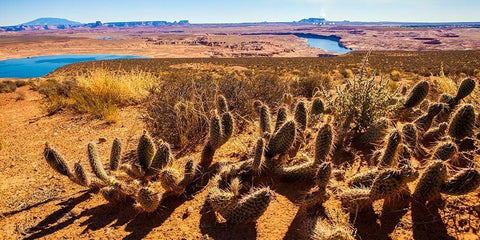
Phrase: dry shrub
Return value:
(305, 86)
(179, 108)
(361, 101)
(395, 76)
(21, 95)
(7, 86)
(99, 92)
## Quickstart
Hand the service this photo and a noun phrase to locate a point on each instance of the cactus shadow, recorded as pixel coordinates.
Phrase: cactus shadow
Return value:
(393, 210)
(103, 215)
(45, 227)
(367, 226)
(143, 223)
(427, 222)
(215, 230)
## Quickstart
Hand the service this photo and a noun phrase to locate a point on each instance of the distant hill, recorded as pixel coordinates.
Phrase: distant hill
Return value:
(51, 22)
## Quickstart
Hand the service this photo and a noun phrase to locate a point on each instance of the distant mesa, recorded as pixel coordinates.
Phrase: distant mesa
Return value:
(60, 23)
(315, 21)
(51, 22)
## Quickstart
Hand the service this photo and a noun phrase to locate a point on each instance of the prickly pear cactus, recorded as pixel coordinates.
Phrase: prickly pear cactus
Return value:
(323, 143)
(417, 94)
(56, 161)
(145, 151)
(282, 140)
(148, 199)
(250, 207)
(463, 182)
(116, 154)
(432, 178)
(95, 163)
(462, 122)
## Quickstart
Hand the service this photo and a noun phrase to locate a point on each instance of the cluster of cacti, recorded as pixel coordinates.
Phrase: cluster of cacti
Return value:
(220, 130)
(394, 149)
(152, 174)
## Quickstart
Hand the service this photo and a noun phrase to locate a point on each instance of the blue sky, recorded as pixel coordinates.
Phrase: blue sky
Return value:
(14, 12)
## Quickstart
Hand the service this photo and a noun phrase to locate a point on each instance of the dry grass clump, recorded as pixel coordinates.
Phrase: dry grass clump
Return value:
(305, 86)
(99, 92)
(179, 105)
(10, 86)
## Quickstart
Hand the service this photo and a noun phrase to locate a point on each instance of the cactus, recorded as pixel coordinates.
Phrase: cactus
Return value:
(282, 140)
(301, 116)
(463, 182)
(466, 87)
(444, 151)
(145, 151)
(424, 122)
(410, 135)
(356, 200)
(363, 179)
(318, 107)
(390, 182)
(250, 207)
(390, 151)
(323, 143)
(95, 163)
(113, 195)
(56, 161)
(317, 229)
(282, 116)
(148, 199)
(287, 99)
(404, 155)
(219, 199)
(462, 122)
(435, 134)
(219, 134)
(446, 98)
(303, 171)
(265, 121)
(323, 175)
(431, 180)
(116, 154)
(189, 173)
(82, 177)
(221, 104)
(375, 132)
(417, 94)
(163, 156)
(258, 158)
(170, 179)
(314, 198)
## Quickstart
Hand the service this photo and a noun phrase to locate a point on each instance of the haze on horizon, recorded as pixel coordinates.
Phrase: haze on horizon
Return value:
(237, 11)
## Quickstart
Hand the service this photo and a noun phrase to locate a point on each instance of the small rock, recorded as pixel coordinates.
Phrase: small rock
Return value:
(102, 139)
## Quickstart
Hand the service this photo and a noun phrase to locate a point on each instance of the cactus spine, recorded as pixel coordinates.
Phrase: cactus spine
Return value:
(258, 158)
(390, 151)
(163, 157)
(116, 154)
(56, 161)
(95, 163)
(462, 123)
(444, 151)
(363, 179)
(282, 116)
(145, 151)
(390, 182)
(301, 115)
(466, 87)
(323, 143)
(463, 182)
(417, 94)
(148, 199)
(318, 107)
(250, 207)
(282, 140)
(424, 122)
(265, 121)
(431, 180)
(82, 177)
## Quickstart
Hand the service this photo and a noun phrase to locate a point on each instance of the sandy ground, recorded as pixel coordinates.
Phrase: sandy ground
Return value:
(35, 202)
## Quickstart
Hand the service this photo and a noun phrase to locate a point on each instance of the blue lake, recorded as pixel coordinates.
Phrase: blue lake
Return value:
(40, 66)
(328, 45)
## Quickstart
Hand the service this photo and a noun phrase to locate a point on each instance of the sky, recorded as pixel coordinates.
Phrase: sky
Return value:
(13, 12)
